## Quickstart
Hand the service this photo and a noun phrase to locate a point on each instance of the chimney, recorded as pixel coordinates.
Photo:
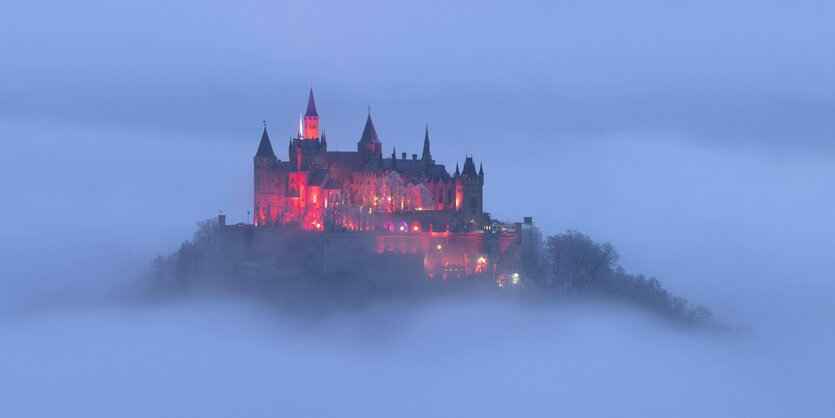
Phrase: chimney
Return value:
(529, 220)
(414, 157)
(404, 155)
(221, 220)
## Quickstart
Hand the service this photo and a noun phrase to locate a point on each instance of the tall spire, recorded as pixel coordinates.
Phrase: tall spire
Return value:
(480, 170)
(265, 148)
(394, 158)
(457, 171)
(427, 156)
(311, 119)
(311, 105)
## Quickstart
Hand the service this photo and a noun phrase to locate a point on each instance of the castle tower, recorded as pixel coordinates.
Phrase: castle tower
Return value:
(369, 143)
(311, 119)
(469, 187)
(266, 190)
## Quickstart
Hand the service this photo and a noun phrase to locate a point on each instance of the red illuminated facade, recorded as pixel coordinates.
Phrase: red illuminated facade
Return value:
(364, 203)
(318, 189)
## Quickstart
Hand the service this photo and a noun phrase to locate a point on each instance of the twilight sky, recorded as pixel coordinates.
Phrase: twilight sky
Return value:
(686, 133)
(724, 73)
(698, 137)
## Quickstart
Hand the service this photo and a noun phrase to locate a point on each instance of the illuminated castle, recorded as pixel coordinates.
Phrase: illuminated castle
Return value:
(359, 209)
(360, 190)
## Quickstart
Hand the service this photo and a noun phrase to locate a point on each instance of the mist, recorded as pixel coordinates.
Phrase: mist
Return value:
(451, 359)
(696, 138)
(70, 333)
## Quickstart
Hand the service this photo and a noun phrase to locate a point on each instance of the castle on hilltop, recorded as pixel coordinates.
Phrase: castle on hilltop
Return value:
(366, 204)
(361, 190)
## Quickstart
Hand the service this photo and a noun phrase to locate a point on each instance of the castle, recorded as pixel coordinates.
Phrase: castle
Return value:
(369, 204)
(361, 190)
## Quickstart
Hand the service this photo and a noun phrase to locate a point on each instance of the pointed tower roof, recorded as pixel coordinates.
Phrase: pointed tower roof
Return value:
(480, 170)
(311, 105)
(457, 171)
(427, 156)
(265, 148)
(469, 167)
(394, 157)
(369, 134)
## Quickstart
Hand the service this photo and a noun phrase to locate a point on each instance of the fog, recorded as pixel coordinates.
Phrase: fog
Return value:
(696, 138)
(70, 336)
(462, 359)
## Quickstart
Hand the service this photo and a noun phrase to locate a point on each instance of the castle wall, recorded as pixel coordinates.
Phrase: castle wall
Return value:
(377, 253)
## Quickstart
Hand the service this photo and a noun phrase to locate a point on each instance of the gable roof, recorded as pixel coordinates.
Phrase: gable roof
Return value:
(416, 168)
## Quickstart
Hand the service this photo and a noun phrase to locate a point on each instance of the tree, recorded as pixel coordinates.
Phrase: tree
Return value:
(393, 192)
(333, 212)
(423, 196)
(575, 263)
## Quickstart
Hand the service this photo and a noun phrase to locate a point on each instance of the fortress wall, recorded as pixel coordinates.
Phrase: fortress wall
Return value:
(377, 253)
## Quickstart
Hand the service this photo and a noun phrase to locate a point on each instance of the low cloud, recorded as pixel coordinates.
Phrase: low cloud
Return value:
(221, 358)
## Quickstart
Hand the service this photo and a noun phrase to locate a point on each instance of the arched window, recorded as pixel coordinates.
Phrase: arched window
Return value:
(388, 226)
(416, 226)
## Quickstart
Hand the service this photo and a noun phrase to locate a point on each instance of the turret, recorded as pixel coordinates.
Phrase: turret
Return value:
(311, 119)
(265, 191)
(469, 186)
(265, 154)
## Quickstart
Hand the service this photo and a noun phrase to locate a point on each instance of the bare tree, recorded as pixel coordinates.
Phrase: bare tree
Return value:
(575, 262)
(333, 212)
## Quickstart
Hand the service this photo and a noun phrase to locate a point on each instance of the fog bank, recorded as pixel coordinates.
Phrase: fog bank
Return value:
(69, 349)
(218, 358)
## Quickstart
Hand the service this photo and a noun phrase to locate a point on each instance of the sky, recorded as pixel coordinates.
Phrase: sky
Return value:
(697, 137)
